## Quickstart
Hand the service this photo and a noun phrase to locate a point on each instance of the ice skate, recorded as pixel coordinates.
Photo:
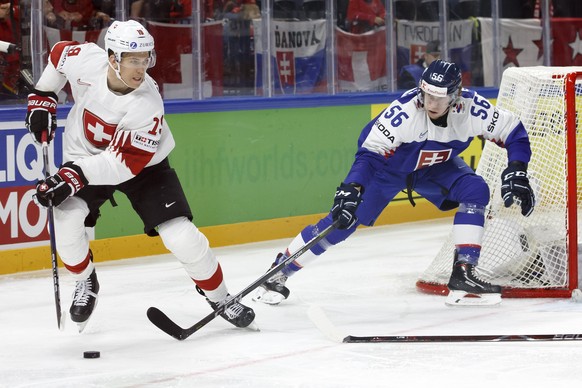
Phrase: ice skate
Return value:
(466, 289)
(238, 314)
(273, 291)
(84, 300)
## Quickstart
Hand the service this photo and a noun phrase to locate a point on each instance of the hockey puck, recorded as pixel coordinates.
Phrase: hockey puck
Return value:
(91, 354)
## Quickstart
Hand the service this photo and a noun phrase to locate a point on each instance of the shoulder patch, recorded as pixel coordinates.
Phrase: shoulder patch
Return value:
(145, 141)
(56, 55)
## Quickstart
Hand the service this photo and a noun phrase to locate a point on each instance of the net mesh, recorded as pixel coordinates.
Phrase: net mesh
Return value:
(526, 252)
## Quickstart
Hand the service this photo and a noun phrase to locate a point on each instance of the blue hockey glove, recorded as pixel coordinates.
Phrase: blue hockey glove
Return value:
(345, 203)
(515, 185)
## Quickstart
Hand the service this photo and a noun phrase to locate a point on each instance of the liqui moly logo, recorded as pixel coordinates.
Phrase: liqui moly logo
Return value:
(21, 166)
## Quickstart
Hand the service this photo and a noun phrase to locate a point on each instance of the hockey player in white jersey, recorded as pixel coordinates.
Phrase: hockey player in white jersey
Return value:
(414, 145)
(116, 139)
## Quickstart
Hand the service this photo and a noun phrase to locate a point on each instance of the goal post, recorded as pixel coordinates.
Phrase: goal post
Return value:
(535, 256)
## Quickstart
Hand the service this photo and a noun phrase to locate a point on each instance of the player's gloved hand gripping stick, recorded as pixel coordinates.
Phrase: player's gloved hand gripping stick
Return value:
(348, 197)
(161, 320)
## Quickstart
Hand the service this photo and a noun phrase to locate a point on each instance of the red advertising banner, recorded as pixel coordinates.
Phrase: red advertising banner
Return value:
(21, 220)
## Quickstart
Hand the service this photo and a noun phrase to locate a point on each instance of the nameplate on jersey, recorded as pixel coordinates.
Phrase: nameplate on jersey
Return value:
(427, 158)
(145, 141)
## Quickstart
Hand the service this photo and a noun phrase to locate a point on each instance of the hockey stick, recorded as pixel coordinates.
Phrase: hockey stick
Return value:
(322, 322)
(51, 225)
(463, 338)
(161, 320)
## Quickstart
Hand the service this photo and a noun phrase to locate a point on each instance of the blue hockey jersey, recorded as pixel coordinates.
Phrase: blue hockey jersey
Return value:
(402, 138)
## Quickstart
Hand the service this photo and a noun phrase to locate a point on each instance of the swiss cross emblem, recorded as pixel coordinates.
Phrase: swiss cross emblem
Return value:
(428, 158)
(416, 52)
(98, 132)
(286, 67)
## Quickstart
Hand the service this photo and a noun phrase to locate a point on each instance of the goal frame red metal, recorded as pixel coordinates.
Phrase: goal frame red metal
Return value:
(572, 213)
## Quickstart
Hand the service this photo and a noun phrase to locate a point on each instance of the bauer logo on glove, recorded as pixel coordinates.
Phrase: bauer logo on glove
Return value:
(42, 114)
(64, 184)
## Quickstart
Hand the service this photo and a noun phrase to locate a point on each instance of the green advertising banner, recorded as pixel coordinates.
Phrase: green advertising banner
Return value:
(243, 166)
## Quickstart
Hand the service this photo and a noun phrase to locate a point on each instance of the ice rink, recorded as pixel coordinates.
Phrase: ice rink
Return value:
(365, 286)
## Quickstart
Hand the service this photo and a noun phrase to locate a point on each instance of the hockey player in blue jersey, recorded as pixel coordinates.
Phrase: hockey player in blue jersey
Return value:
(414, 144)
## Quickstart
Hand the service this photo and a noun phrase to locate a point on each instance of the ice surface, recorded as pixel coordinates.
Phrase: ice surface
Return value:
(365, 286)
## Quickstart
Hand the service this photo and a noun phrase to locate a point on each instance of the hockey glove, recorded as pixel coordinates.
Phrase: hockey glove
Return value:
(345, 203)
(42, 114)
(515, 185)
(65, 183)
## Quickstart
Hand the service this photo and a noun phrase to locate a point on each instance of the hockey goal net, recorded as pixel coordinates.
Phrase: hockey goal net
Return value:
(535, 256)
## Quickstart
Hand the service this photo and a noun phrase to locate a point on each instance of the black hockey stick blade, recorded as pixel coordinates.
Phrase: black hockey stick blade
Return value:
(161, 320)
(164, 323)
(463, 338)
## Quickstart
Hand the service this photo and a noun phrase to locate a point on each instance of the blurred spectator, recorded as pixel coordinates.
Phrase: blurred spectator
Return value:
(463, 9)
(10, 62)
(314, 9)
(250, 10)
(213, 9)
(512, 9)
(239, 52)
(136, 10)
(232, 7)
(405, 9)
(49, 13)
(365, 15)
(164, 11)
(567, 8)
(537, 9)
(287, 9)
(342, 13)
(79, 15)
(428, 10)
(409, 75)
(107, 7)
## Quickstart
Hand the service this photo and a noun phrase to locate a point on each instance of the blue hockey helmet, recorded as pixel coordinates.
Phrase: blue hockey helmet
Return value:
(441, 79)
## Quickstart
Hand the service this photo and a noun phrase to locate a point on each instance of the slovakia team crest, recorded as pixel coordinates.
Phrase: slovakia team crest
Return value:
(286, 69)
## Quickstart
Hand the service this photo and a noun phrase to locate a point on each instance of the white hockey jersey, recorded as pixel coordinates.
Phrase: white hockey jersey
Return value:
(112, 137)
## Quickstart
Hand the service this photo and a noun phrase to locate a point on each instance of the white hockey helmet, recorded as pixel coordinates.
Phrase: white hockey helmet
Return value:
(129, 37)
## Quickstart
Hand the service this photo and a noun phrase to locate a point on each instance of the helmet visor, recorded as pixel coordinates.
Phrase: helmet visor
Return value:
(135, 62)
(436, 103)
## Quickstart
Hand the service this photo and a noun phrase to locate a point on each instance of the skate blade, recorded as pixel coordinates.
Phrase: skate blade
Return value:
(253, 326)
(81, 325)
(63, 321)
(462, 298)
(268, 297)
